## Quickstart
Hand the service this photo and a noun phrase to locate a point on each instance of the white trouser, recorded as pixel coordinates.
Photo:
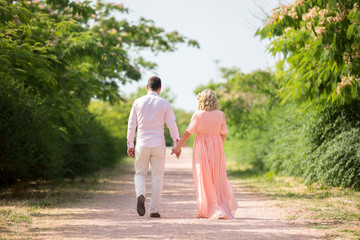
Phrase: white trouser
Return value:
(156, 157)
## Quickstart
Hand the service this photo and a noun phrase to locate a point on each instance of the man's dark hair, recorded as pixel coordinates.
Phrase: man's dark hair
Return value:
(154, 83)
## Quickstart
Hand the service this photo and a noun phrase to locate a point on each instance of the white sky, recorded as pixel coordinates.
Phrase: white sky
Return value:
(225, 31)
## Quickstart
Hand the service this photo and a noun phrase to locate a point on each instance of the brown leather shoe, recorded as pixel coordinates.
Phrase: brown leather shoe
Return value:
(141, 205)
(156, 215)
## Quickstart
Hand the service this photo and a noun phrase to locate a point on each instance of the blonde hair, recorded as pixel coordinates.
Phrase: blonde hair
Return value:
(207, 100)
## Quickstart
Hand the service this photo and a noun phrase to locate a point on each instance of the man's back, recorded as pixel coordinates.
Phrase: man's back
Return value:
(149, 114)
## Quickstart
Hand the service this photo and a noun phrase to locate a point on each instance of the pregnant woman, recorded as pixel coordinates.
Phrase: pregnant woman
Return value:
(215, 198)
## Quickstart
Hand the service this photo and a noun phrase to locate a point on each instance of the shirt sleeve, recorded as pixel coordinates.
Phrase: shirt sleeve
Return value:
(132, 123)
(224, 129)
(192, 125)
(171, 124)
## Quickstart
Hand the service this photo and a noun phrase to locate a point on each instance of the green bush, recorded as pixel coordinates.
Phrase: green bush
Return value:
(249, 149)
(287, 145)
(30, 148)
(337, 161)
(322, 144)
(269, 145)
(91, 149)
(334, 154)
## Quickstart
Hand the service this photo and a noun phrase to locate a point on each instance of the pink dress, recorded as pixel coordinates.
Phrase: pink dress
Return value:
(215, 198)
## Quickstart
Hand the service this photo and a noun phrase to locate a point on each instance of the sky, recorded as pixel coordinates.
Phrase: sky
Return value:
(225, 31)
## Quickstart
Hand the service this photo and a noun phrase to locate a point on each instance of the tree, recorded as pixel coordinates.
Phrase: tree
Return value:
(319, 41)
(68, 52)
(55, 56)
(242, 94)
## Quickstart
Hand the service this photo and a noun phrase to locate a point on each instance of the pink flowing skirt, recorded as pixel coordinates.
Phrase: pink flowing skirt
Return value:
(215, 198)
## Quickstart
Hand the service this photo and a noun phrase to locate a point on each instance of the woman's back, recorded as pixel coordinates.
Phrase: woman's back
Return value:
(210, 122)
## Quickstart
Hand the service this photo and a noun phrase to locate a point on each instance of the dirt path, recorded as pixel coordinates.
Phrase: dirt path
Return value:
(110, 214)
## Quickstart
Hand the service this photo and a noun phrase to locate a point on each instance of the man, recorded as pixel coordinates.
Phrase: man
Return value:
(148, 114)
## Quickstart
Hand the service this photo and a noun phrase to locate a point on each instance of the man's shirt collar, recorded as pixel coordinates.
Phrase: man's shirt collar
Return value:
(152, 93)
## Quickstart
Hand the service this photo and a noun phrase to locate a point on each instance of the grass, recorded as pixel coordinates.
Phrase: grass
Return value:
(13, 222)
(12, 217)
(318, 225)
(292, 217)
(353, 232)
(333, 210)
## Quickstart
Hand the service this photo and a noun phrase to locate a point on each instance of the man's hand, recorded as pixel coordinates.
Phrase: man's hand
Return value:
(177, 152)
(131, 152)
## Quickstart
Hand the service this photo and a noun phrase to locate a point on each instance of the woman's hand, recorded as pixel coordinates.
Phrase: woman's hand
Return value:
(223, 136)
(178, 145)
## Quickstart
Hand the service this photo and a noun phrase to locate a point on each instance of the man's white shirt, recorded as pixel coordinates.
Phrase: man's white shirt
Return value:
(148, 114)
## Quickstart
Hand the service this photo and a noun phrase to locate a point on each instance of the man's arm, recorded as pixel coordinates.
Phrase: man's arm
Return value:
(171, 124)
(132, 123)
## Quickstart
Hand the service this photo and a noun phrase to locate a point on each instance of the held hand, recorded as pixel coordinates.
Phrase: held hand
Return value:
(176, 151)
(131, 152)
